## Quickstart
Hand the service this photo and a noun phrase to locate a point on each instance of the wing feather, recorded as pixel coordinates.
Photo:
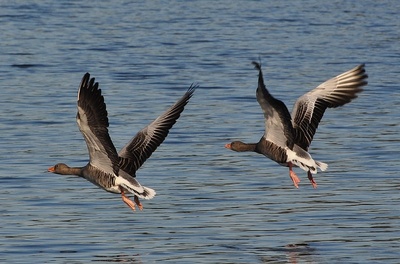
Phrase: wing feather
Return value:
(278, 126)
(310, 108)
(139, 148)
(93, 123)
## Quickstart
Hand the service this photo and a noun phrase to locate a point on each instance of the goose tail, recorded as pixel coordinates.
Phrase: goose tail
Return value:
(321, 165)
(303, 160)
(147, 193)
(134, 187)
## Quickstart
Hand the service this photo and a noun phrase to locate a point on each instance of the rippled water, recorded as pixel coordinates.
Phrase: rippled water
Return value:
(212, 205)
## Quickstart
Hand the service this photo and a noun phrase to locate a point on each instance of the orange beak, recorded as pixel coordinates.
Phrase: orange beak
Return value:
(228, 146)
(51, 169)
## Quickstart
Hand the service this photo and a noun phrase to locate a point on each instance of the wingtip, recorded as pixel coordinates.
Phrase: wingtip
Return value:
(192, 88)
(85, 79)
(257, 65)
(360, 69)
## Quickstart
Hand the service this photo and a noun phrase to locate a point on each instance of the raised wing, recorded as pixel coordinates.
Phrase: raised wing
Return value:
(309, 108)
(278, 126)
(93, 123)
(146, 141)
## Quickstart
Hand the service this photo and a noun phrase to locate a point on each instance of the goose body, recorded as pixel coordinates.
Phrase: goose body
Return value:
(287, 137)
(109, 170)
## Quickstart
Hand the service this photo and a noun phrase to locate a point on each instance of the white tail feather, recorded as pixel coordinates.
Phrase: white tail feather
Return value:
(149, 193)
(305, 161)
(321, 165)
(134, 187)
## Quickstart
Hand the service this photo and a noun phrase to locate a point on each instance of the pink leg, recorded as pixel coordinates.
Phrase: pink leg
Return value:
(128, 202)
(310, 177)
(138, 203)
(293, 175)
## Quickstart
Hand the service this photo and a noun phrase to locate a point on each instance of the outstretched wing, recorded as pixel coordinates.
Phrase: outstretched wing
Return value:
(93, 123)
(278, 126)
(146, 141)
(309, 108)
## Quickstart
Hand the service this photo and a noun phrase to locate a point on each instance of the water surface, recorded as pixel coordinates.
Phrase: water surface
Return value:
(212, 205)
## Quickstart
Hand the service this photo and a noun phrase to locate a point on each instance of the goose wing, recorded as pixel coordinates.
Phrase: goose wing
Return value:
(309, 108)
(139, 148)
(278, 126)
(93, 123)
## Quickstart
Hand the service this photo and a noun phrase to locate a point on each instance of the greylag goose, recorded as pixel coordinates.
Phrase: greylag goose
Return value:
(288, 136)
(112, 171)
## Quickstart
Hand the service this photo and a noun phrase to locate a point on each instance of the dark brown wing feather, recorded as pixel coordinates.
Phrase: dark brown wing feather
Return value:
(146, 141)
(278, 126)
(93, 123)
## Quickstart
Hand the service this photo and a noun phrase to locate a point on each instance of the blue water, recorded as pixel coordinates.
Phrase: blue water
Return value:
(212, 205)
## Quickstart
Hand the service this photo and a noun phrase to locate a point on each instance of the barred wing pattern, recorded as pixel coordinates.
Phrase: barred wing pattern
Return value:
(146, 141)
(309, 108)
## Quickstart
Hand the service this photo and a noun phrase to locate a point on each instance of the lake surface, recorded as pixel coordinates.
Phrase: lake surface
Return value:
(212, 205)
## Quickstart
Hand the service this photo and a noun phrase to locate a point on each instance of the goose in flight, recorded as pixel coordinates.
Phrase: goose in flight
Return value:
(287, 137)
(112, 171)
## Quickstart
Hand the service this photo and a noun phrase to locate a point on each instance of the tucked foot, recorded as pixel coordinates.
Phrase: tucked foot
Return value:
(138, 203)
(310, 177)
(293, 176)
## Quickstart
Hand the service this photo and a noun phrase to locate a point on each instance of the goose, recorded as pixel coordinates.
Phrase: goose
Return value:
(109, 170)
(287, 137)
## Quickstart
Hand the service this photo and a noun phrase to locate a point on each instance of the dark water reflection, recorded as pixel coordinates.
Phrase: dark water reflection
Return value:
(212, 205)
(117, 259)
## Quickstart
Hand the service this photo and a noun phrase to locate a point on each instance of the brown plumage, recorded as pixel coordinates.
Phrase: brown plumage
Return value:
(288, 136)
(112, 171)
